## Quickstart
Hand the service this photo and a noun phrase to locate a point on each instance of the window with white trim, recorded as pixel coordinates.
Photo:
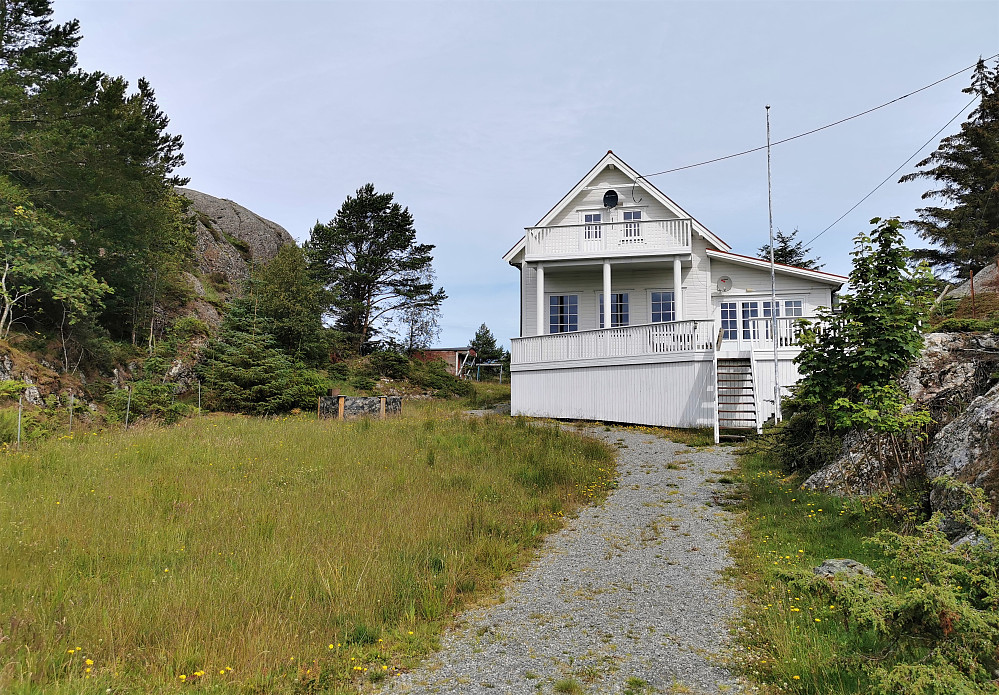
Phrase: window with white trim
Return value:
(591, 225)
(750, 329)
(563, 313)
(729, 320)
(632, 224)
(663, 306)
(619, 309)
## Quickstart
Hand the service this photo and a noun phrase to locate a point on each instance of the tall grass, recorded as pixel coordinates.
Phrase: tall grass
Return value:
(796, 642)
(240, 554)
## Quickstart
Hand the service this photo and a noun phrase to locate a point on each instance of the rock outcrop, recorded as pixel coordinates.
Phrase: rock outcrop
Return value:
(228, 240)
(955, 380)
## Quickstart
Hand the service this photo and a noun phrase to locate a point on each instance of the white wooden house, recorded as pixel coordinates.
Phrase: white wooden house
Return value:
(689, 342)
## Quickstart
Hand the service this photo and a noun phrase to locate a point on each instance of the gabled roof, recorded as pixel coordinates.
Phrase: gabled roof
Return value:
(827, 278)
(643, 183)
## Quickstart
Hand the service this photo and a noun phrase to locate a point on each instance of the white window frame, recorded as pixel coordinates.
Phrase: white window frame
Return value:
(592, 230)
(663, 290)
(548, 310)
(632, 230)
(627, 308)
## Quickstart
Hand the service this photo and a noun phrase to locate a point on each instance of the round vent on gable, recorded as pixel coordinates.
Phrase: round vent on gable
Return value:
(610, 199)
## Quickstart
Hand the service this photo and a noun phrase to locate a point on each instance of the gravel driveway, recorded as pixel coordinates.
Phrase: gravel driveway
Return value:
(626, 598)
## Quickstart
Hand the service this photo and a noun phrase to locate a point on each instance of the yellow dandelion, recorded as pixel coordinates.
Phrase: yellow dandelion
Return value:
(183, 677)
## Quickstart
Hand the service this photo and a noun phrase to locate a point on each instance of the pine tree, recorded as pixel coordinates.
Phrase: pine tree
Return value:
(965, 166)
(789, 251)
(368, 258)
(484, 344)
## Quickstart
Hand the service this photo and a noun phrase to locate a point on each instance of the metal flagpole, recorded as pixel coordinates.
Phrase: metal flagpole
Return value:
(773, 280)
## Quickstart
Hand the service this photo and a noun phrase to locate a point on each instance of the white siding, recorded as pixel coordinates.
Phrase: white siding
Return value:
(672, 394)
(593, 199)
(788, 375)
(754, 283)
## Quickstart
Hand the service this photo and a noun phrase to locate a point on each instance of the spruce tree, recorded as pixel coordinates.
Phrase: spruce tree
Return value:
(965, 169)
(789, 251)
(484, 344)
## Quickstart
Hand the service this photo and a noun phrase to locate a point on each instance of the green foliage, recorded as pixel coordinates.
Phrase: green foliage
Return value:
(789, 251)
(245, 370)
(187, 327)
(932, 617)
(285, 293)
(484, 344)
(11, 388)
(39, 261)
(873, 337)
(434, 376)
(362, 382)
(368, 258)
(390, 364)
(965, 166)
(96, 157)
(850, 358)
(957, 325)
(150, 398)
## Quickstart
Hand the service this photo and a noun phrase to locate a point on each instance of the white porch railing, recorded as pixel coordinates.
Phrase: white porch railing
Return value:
(756, 334)
(609, 238)
(626, 341)
(655, 339)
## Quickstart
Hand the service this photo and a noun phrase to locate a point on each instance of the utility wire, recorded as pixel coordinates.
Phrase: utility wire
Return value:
(816, 130)
(889, 177)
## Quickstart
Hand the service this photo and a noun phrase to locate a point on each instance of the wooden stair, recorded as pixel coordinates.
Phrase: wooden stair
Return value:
(736, 395)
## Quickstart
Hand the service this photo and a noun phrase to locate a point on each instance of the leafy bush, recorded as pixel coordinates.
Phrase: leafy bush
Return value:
(149, 398)
(339, 371)
(389, 363)
(362, 382)
(12, 388)
(31, 427)
(435, 377)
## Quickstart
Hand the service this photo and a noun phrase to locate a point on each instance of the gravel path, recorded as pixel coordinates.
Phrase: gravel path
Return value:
(628, 590)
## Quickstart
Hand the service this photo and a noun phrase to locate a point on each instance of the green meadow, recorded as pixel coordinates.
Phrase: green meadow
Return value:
(236, 554)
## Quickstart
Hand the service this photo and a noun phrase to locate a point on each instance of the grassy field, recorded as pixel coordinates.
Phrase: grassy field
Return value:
(230, 554)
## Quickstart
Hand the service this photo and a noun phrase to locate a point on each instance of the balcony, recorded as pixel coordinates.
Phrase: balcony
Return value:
(655, 341)
(609, 239)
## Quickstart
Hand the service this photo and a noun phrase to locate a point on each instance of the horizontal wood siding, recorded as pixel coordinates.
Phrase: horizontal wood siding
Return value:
(604, 181)
(673, 394)
(754, 283)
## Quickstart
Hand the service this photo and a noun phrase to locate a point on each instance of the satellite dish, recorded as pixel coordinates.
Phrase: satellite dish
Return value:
(610, 199)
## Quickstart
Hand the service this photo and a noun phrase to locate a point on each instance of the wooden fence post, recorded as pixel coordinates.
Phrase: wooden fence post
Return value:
(339, 407)
(381, 407)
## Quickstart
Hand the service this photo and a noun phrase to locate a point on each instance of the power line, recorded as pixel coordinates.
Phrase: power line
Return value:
(889, 177)
(816, 130)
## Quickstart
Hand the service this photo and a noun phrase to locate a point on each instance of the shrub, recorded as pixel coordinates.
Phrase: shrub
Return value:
(12, 388)
(434, 376)
(932, 623)
(187, 327)
(339, 371)
(362, 382)
(389, 363)
(149, 398)
(964, 326)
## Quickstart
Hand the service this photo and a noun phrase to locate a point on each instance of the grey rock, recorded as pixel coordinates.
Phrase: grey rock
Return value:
(33, 396)
(986, 280)
(229, 238)
(968, 449)
(830, 568)
(6, 368)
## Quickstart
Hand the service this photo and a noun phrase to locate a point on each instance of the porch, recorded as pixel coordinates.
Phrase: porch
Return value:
(692, 373)
(608, 239)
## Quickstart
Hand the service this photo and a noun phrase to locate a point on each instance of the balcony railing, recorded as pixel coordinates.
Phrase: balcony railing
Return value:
(626, 341)
(655, 339)
(609, 239)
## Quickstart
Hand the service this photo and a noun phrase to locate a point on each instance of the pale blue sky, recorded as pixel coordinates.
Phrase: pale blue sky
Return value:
(479, 116)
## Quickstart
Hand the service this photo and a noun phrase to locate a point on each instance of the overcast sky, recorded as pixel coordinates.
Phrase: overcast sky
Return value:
(481, 115)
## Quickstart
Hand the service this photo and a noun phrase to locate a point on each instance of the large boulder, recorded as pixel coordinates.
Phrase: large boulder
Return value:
(968, 449)
(231, 238)
(952, 371)
(986, 280)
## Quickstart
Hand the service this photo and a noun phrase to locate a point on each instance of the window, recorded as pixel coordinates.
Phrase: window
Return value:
(793, 307)
(750, 329)
(619, 309)
(591, 225)
(729, 321)
(563, 313)
(663, 308)
(632, 224)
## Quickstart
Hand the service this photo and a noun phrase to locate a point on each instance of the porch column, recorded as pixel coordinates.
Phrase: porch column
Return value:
(677, 289)
(607, 294)
(539, 291)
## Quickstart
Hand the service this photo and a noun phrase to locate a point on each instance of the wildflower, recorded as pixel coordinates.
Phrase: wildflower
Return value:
(89, 662)
(183, 677)
(797, 678)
